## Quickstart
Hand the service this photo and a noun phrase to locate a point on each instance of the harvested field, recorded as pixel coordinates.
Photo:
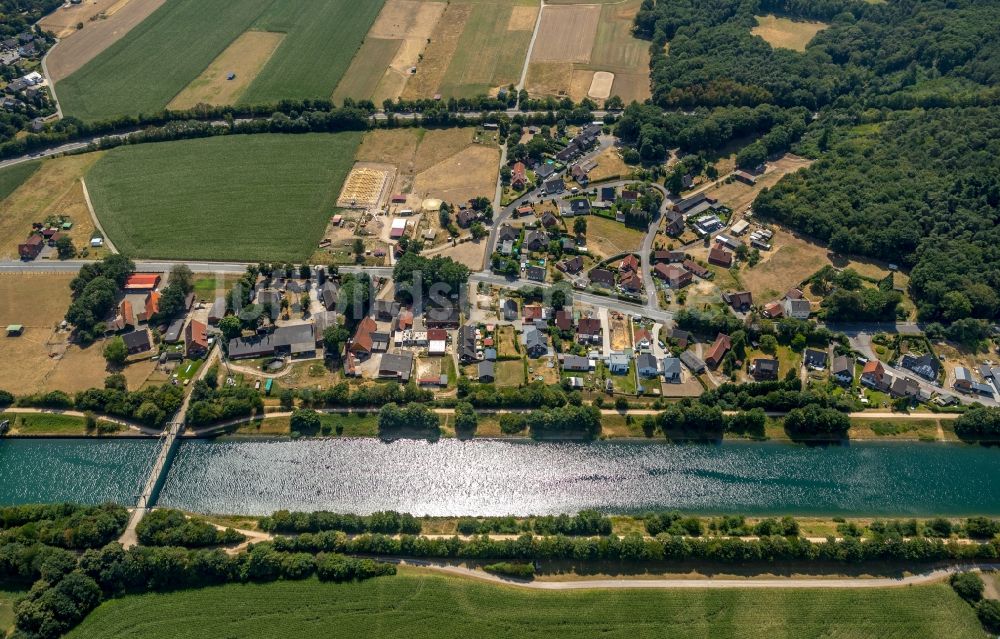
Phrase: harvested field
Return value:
(738, 196)
(631, 86)
(366, 186)
(246, 198)
(566, 34)
(381, 67)
(413, 150)
(522, 18)
(786, 34)
(439, 52)
(549, 78)
(615, 48)
(245, 57)
(97, 35)
(62, 22)
(607, 237)
(600, 86)
(54, 188)
(488, 55)
(467, 174)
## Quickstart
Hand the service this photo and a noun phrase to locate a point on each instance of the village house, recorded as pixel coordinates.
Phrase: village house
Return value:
(720, 257)
(675, 223)
(764, 369)
(564, 320)
(535, 342)
(548, 220)
(467, 344)
(589, 330)
(396, 366)
(815, 359)
(873, 375)
(629, 264)
(773, 310)
(618, 363)
(842, 370)
(553, 186)
(645, 363)
(927, 366)
(535, 273)
(679, 337)
(508, 309)
(518, 176)
(508, 233)
(572, 265)
(602, 277)
(797, 308)
(642, 338)
(631, 282)
(718, 350)
(675, 276)
(576, 363)
(536, 240)
(195, 339)
(697, 269)
(138, 342)
(445, 315)
(740, 301)
(672, 370)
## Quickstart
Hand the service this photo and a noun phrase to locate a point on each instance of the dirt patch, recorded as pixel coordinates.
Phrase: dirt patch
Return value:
(566, 34)
(244, 59)
(406, 19)
(96, 36)
(607, 237)
(619, 333)
(366, 186)
(467, 174)
(468, 253)
(609, 165)
(600, 86)
(54, 189)
(522, 18)
(786, 34)
(64, 20)
(45, 359)
(439, 52)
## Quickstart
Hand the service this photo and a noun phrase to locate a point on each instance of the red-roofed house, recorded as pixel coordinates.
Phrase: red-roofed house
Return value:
(518, 176)
(629, 263)
(873, 374)
(362, 344)
(152, 306)
(142, 281)
(196, 339)
(718, 350)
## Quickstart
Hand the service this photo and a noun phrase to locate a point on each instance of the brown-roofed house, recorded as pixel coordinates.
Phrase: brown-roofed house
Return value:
(362, 344)
(740, 301)
(697, 269)
(564, 319)
(588, 329)
(631, 282)
(518, 175)
(720, 257)
(673, 275)
(196, 339)
(630, 263)
(718, 350)
(774, 310)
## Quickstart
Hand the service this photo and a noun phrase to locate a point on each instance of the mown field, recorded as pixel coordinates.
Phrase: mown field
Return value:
(416, 605)
(245, 198)
(157, 59)
(14, 176)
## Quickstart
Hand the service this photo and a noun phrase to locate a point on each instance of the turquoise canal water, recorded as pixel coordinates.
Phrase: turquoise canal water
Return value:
(500, 477)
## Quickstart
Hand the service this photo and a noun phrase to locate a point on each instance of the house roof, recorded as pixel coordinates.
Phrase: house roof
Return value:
(815, 357)
(629, 263)
(720, 255)
(137, 340)
(152, 304)
(142, 281)
(671, 366)
(588, 326)
(173, 332)
(576, 362)
(508, 232)
(534, 338)
(396, 364)
(719, 348)
(631, 282)
(645, 360)
(487, 368)
(363, 334)
(196, 333)
(696, 268)
(299, 337)
(873, 367)
(602, 276)
(843, 364)
(692, 361)
(765, 365)
(564, 319)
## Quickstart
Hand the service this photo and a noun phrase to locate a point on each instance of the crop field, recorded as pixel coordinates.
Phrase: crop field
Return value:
(417, 604)
(14, 176)
(245, 198)
(576, 40)
(244, 58)
(49, 187)
(786, 34)
(156, 60)
(100, 31)
(480, 46)
(362, 78)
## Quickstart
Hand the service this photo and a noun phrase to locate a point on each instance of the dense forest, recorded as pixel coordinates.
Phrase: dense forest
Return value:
(898, 102)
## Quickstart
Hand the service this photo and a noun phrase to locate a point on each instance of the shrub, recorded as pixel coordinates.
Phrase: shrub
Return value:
(165, 527)
(988, 612)
(510, 569)
(968, 585)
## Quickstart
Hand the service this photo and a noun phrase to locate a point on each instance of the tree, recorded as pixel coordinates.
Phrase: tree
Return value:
(968, 585)
(621, 404)
(580, 225)
(230, 327)
(115, 351)
(465, 419)
(306, 421)
(359, 248)
(182, 277)
(769, 344)
(65, 248)
(478, 231)
(116, 381)
(334, 338)
(817, 421)
(505, 175)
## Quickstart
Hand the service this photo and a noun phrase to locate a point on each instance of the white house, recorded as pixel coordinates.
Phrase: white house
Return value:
(618, 363)
(799, 309)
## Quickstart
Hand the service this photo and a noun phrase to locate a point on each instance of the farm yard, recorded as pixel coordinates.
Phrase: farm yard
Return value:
(38, 190)
(588, 50)
(177, 44)
(107, 22)
(419, 603)
(225, 198)
(45, 359)
(480, 47)
(786, 34)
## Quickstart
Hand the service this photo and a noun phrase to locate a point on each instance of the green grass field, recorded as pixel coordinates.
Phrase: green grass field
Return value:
(244, 198)
(14, 176)
(323, 36)
(416, 605)
(615, 48)
(49, 424)
(488, 54)
(143, 71)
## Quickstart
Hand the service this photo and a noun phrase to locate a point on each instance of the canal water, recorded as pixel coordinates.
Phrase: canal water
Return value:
(489, 477)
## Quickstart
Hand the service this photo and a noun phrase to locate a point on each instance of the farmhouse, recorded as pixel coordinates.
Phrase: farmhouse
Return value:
(720, 257)
(398, 228)
(694, 205)
(396, 366)
(362, 343)
(137, 342)
(297, 340)
(31, 247)
(385, 310)
(328, 295)
(718, 350)
(195, 339)
(466, 217)
(142, 281)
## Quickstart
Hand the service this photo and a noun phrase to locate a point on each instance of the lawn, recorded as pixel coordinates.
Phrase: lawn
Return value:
(244, 198)
(142, 72)
(607, 237)
(343, 424)
(417, 604)
(510, 372)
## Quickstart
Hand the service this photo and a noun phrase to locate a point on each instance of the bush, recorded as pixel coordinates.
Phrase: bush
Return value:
(340, 568)
(511, 423)
(165, 527)
(988, 611)
(389, 522)
(968, 585)
(510, 569)
(306, 422)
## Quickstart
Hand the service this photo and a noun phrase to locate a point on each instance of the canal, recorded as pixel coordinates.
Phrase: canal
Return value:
(489, 477)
